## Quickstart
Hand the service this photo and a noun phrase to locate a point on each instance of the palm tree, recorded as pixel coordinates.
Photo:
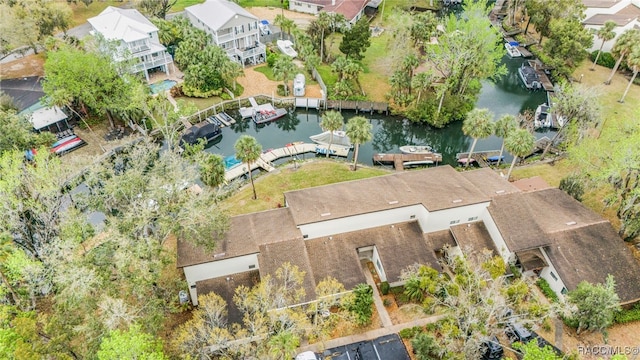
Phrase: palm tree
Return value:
(359, 130)
(284, 24)
(283, 69)
(519, 143)
(283, 345)
(421, 82)
(331, 121)
(605, 33)
(324, 22)
(633, 62)
(502, 128)
(212, 170)
(248, 150)
(478, 125)
(623, 45)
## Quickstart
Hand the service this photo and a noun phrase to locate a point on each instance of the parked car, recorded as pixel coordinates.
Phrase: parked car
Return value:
(517, 332)
(491, 349)
(307, 355)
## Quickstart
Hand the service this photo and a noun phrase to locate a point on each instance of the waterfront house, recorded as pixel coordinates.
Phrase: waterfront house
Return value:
(625, 13)
(135, 38)
(352, 10)
(230, 27)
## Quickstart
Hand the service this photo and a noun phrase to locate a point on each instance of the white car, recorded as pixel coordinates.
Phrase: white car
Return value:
(263, 25)
(307, 355)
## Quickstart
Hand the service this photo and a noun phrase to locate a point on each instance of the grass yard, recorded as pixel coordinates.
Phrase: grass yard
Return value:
(181, 4)
(261, 3)
(270, 188)
(82, 12)
(267, 71)
(201, 103)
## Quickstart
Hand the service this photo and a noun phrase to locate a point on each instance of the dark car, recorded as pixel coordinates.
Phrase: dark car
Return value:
(491, 349)
(517, 332)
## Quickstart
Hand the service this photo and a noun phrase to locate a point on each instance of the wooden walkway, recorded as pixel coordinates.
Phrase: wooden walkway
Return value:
(365, 106)
(481, 157)
(400, 161)
(290, 150)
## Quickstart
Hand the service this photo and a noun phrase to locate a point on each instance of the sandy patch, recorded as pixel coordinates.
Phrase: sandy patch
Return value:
(30, 65)
(256, 83)
(269, 13)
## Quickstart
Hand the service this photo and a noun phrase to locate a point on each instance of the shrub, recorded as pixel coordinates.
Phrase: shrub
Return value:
(629, 315)
(176, 91)
(573, 185)
(546, 290)
(605, 59)
(406, 333)
(386, 302)
(271, 59)
(384, 288)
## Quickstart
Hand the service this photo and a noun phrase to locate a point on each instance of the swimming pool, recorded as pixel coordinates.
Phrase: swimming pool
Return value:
(231, 162)
(162, 86)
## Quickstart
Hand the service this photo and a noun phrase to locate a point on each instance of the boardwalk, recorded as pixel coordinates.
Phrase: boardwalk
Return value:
(400, 161)
(291, 150)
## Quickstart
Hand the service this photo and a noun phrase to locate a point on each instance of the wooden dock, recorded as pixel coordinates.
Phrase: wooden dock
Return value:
(481, 157)
(290, 150)
(523, 50)
(544, 79)
(400, 161)
(358, 106)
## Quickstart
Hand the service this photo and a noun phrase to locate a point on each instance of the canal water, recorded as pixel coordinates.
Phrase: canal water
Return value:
(505, 96)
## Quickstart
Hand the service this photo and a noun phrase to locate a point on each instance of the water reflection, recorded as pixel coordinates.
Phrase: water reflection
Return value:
(506, 95)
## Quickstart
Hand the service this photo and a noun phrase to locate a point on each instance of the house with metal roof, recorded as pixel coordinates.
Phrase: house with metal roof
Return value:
(230, 27)
(352, 10)
(136, 38)
(408, 218)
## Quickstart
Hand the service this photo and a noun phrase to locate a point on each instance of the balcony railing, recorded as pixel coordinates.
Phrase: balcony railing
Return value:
(156, 61)
(250, 51)
(224, 38)
(139, 48)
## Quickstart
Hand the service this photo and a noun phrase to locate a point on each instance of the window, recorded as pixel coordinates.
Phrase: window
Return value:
(305, 236)
(454, 222)
(564, 291)
(473, 218)
(252, 266)
(553, 275)
(412, 217)
(378, 264)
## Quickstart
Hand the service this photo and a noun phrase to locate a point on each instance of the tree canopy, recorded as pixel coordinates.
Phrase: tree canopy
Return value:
(356, 40)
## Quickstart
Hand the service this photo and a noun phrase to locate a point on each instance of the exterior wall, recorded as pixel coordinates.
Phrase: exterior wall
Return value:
(378, 264)
(504, 251)
(610, 10)
(216, 269)
(609, 44)
(365, 221)
(429, 222)
(304, 7)
(444, 219)
(550, 274)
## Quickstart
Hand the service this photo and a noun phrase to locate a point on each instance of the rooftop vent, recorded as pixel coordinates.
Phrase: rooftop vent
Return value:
(219, 255)
(457, 201)
(325, 214)
(500, 191)
(393, 202)
(571, 223)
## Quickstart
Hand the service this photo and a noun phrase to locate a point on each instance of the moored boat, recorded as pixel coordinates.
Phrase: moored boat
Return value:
(267, 115)
(512, 49)
(286, 47)
(205, 130)
(416, 149)
(529, 77)
(340, 138)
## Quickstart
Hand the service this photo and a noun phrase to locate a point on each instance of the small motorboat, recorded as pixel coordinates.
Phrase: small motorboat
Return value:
(339, 138)
(264, 116)
(529, 77)
(465, 161)
(512, 49)
(416, 149)
(286, 47)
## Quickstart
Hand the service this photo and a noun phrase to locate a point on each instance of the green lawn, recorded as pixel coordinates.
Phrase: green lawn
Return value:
(267, 71)
(181, 4)
(271, 187)
(201, 103)
(81, 12)
(261, 3)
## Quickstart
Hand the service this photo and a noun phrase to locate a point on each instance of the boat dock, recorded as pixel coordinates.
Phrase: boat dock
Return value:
(290, 150)
(481, 157)
(523, 50)
(400, 161)
(247, 112)
(544, 79)
(221, 119)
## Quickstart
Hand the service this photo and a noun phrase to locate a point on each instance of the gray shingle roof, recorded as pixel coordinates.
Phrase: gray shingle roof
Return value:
(246, 233)
(435, 188)
(216, 13)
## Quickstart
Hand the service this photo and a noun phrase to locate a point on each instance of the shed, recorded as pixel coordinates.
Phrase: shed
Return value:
(299, 85)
